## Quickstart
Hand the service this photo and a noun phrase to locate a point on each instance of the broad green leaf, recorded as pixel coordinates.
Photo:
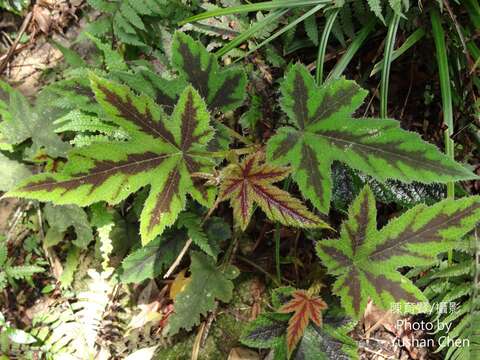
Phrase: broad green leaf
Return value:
(208, 283)
(162, 152)
(12, 173)
(330, 342)
(149, 261)
(347, 184)
(60, 218)
(251, 182)
(323, 131)
(222, 89)
(365, 260)
(266, 331)
(22, 122)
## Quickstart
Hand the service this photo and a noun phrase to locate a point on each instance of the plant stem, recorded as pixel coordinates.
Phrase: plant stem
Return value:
(322, 47)
(409, 42)
(442, 61)
(352, 50)
(389, 45)
(276, 238)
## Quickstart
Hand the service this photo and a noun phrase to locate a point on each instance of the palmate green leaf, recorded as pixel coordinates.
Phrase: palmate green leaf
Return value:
(208, 283)
(324, 131)
(222, 89)
(162, 152)
(365, 260)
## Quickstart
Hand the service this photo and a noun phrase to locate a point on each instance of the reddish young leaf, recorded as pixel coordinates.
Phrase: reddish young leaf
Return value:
(305, 308)
(251, 182)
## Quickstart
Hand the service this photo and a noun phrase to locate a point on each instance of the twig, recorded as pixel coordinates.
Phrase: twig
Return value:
(187, 245)
(178, 259)
(11, 51)
(376, 353)
(198, 340)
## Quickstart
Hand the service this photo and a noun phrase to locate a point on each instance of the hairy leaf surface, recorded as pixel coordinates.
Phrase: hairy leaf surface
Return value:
(365, 260)
(207, 284)
(252, 182)
(162, 152)
(323, 130)
(305, 308)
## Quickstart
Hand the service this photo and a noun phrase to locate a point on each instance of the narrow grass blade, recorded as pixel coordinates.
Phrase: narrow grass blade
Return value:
(473, 11)
(352, 50)
(442, 61)
(415, 37)
(262, 6)
(387, 58)
(270, 18)
(284, 29)
(322, 47)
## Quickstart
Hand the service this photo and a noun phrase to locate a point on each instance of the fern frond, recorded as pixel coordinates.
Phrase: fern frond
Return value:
(461, 289)
(90, 128)
(74, 328)
(22, 272)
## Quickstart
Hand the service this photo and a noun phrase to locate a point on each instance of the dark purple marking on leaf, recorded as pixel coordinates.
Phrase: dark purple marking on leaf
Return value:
(101, 172)
(284, 209)
(357, 238)
(429, 232)
(262, 175)
(225, 94)
(384, 150)
(381, 283)
(188, 123)
(80, 90)
(163, 99)
(300, 98)
(243, 195)
(192, 66)
(332, 103)
(285, 145)
(336, 255)
(352, 281)
(129, 112)
(314, 178)
(193, 167)
(164, 198)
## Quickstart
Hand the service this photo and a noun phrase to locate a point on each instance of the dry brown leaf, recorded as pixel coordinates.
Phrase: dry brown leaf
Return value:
(241, 353)
(148, 313)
